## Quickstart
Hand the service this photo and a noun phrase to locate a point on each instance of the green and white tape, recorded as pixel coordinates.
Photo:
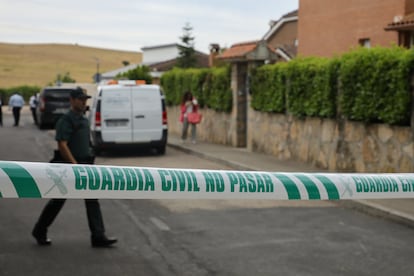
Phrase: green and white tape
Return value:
(46, 180)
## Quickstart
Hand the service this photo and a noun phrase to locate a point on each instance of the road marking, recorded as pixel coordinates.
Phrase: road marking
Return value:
(160, 224)
(248, 244)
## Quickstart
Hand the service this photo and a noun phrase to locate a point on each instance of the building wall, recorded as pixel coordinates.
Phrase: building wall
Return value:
(158, 54)
(215, 127)
(286, 35)
(409, 6)
(329, 27)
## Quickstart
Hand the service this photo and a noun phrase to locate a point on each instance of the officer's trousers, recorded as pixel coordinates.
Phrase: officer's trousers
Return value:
(93, 212)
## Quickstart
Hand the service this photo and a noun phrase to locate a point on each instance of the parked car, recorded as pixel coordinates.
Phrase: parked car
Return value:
(128, 113)
(53, 103)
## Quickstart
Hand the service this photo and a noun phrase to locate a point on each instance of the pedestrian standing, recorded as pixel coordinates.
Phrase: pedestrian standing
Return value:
(16, 102)
(33, 106)
(72, 136)
(188, 105)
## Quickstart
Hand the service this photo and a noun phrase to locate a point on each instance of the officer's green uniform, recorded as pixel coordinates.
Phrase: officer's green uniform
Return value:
(74, 128)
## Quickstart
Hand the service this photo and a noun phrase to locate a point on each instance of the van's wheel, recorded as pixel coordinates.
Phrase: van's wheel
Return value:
(161, 150)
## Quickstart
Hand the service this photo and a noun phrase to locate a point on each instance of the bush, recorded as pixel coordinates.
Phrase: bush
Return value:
(370, 85)
(220, 96)
(25, 90)
(375, 85)
(138, 73)
(211, 87)
(66, 78)
(268, 88)
(310, 91)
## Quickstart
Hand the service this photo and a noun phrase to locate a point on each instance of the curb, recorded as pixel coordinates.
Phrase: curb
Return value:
(377, 210)
(235, 165)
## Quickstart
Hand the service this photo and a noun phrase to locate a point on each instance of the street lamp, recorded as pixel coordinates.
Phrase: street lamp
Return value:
(97, 75)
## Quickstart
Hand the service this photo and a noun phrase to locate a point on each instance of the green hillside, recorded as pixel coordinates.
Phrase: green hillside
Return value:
(39, 64)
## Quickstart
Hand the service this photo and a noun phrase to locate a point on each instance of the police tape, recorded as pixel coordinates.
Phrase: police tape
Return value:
(47, 180)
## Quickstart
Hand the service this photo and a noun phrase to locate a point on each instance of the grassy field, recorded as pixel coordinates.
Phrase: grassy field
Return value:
(39, 64)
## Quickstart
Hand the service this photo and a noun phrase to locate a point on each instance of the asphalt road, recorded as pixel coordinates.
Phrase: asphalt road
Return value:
(193, 237)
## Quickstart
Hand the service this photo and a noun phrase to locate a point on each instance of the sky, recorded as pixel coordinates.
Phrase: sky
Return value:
(130, 25)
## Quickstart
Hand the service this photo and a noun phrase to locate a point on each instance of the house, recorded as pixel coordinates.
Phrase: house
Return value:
(162, 58)
(282, 35)
(281, 38)
(110, 75)
(404, 26)
(278, 44)
(159, 59)
(159, 53)
(256, 50)
(331, 27)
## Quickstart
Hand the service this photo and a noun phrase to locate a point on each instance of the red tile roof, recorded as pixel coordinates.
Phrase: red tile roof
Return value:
(239, 50)
(162, 66)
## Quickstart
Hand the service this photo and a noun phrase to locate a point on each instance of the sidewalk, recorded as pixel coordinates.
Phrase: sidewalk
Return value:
(399, 210)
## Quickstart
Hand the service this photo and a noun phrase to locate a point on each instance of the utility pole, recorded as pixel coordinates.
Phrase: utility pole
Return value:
(97, 75)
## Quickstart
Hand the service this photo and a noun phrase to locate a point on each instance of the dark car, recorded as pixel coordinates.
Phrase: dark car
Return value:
(53, 103)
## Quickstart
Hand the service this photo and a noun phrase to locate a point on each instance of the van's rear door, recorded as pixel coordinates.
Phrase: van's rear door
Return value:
(146, 114)
(116, 115)
(56, 100)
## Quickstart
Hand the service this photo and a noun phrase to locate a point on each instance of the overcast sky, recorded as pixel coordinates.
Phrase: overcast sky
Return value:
(133, 24)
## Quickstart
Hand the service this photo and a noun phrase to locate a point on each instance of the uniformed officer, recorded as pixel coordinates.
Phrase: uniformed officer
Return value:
(72, 136)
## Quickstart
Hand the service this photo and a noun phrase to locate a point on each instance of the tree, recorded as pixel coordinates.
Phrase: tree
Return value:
(66, 78)
(138, 73)
(187, 56)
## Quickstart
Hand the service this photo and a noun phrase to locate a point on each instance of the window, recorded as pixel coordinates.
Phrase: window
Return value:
(365, 42)
(411, 40)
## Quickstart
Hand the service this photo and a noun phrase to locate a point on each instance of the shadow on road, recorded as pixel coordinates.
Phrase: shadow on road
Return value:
(135, 151)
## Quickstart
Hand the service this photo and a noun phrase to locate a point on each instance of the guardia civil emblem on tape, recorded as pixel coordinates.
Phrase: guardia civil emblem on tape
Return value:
(46, 180)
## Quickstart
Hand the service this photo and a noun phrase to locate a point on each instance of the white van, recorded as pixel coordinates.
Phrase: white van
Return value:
(127, 113)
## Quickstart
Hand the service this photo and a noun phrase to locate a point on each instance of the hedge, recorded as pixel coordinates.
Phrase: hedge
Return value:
(210, 86)
(375, 85)
(24, 90)
(268, 88)
(370, 85)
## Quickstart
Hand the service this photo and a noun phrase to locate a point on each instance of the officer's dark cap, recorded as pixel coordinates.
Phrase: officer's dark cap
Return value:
(78, 93)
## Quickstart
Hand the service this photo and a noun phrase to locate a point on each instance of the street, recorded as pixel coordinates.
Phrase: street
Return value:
(192, 237)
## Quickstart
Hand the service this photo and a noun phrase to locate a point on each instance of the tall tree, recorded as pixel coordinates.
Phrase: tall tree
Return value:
(187, 55)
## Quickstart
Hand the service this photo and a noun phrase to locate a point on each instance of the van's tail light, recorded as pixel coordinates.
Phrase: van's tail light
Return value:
(164, 113)
(97, 118)
(42, 104)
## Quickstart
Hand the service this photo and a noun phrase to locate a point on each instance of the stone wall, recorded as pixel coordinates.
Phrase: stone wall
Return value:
(328, 144)
(216, 127)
